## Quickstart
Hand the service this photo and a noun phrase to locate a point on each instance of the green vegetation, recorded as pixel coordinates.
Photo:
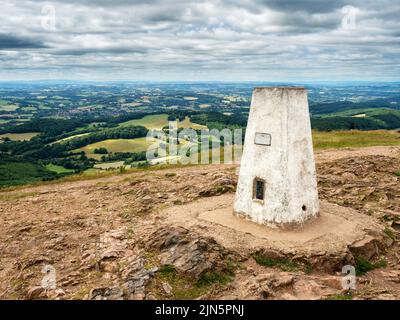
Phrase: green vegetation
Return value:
(106, 134)
(19, 136)
(363, 265)
(100, 151)
(397, 173)
(28, 109)
(349, 139)
(156, 121)
(390, 234)
(183, 287)
(187, 288)
(72, 137)
(187, 123)
(59, 131)
(360, 119)
(8, 108)
(170, 174)
(18, 173)
(109, 165)
(344, 296)
(58, 169)
(210, 277)
(159, 121)
(120, 145)
(281, 263)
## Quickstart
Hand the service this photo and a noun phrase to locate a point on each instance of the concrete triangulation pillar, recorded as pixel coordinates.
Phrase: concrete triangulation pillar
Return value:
(277, 180)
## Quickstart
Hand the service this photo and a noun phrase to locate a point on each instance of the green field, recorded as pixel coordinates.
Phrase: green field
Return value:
(158, 121)
(109, 165)
(188, 124)
(349, 139)
(58, 169)
(9, 107)
(18, 173)
(28, 109)
(19, 136)
(119, 145)
(71, 137)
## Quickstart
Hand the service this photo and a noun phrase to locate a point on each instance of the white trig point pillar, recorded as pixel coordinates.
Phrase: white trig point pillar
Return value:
(277, 180)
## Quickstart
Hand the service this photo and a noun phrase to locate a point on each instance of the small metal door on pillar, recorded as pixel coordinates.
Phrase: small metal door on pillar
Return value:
(277, 180)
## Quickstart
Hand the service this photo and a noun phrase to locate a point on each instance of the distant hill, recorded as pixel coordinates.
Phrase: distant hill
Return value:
(355, 118)
(339, 106)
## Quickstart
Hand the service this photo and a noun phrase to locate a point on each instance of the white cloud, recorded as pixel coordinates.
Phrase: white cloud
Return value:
(200, 40)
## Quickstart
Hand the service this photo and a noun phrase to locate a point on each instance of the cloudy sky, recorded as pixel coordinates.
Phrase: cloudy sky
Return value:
(284, 40)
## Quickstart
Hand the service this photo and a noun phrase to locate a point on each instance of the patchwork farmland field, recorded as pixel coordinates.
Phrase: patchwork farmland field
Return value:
(8, 108)
(58, 169)
(158, 121)
(119, 145)
(109, 165)
(189, 124)
(71, 137)
(19, 136)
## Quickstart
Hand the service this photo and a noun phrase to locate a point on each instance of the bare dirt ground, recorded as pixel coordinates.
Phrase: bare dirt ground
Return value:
(111, 238)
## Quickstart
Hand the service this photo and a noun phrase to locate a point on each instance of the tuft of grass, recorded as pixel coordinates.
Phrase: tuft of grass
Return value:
(308, 268)
(363, 266)
(130, 233)
(185, 287)
(170, 174)
(397, 173)
(390, 234)
(81, 294)
(281, 263)
(232, 266)
(211, 277)
(167, 271)
(345, 296)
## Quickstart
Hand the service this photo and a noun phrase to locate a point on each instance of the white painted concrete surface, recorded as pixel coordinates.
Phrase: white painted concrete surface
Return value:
(285, 163)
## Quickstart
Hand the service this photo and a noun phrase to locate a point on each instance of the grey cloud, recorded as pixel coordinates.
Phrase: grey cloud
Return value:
(86, 51)
(312, 6)
(208, 37)
(11, 42)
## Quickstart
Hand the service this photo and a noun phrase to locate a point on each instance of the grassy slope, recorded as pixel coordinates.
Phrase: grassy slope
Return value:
(157, 121)
(19, 136)
(367, 119)
(17, 173)
(71, 137)
(58, 169)
(343, 139)
(119, 145)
